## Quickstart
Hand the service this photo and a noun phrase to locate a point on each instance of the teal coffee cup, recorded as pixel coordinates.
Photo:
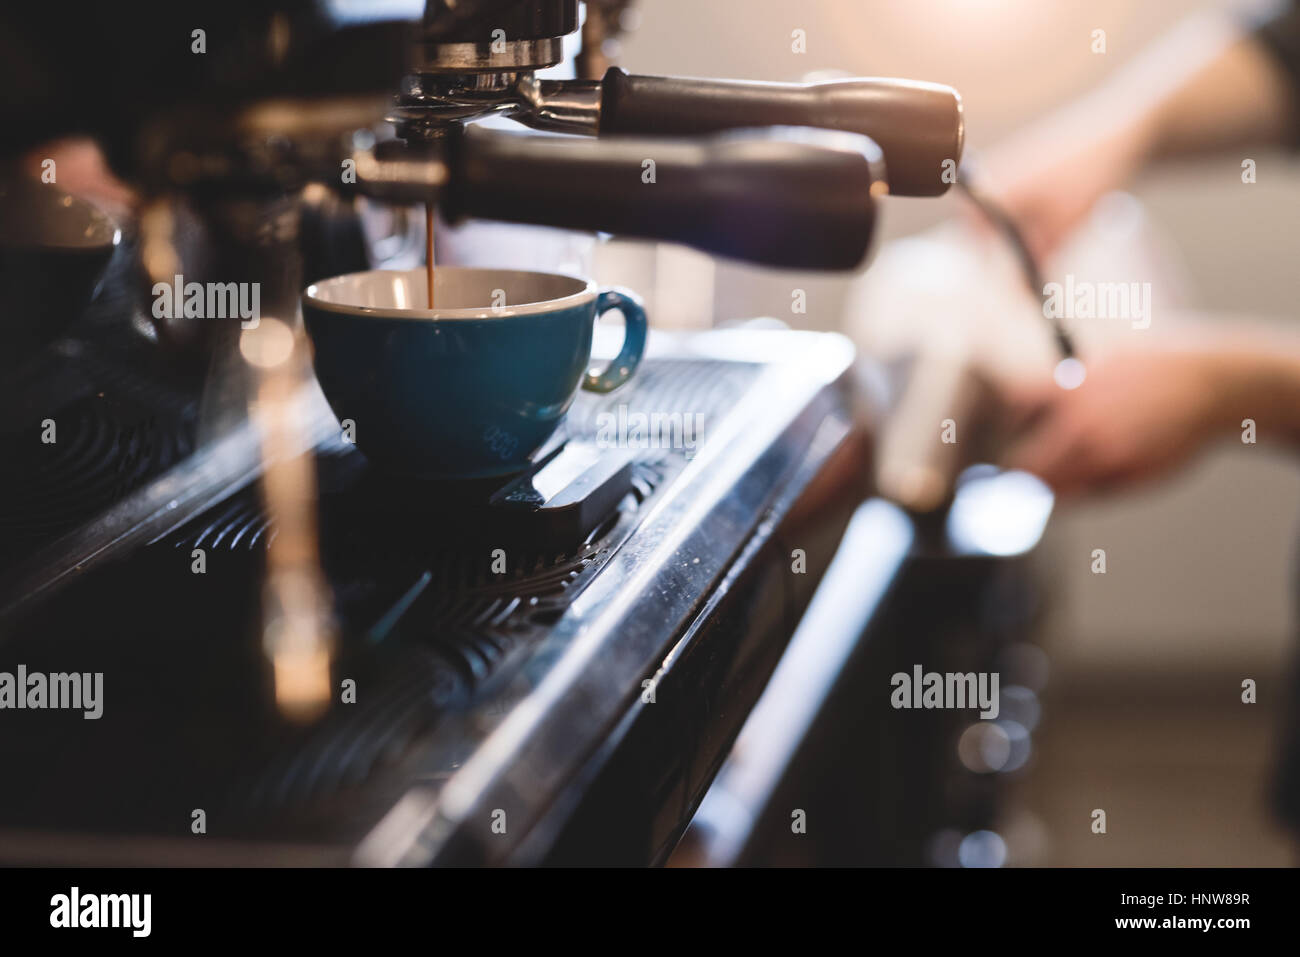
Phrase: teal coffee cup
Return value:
(473, 387)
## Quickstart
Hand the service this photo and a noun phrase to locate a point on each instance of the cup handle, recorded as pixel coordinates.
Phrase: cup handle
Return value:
(622, 366)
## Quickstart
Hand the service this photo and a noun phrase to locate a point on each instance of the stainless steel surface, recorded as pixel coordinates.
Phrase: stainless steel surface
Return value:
(561, 106)
(493, 56)
(429, 102)
(432, 100)
(873, 550)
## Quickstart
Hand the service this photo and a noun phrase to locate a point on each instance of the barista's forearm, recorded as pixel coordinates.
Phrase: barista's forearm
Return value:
(1205, 87)
(1240, 99)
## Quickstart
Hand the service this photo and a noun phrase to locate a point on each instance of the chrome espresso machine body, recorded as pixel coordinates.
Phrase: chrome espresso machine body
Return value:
(546, 669)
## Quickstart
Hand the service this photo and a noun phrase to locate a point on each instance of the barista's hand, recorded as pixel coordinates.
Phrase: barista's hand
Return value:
(1138, 414)
(1203, 87)
(1049, 176)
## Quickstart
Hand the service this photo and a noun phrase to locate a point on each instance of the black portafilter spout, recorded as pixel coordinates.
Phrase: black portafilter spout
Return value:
(791, 198)
(919, 126)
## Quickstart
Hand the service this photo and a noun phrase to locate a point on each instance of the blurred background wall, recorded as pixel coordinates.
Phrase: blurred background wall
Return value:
(1149, 658)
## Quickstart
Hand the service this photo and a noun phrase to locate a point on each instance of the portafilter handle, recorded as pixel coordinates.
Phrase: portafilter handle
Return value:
(919, 126)
(792, 198)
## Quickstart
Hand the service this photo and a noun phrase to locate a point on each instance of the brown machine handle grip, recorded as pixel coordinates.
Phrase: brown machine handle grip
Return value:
(799, 199)
(919, 126)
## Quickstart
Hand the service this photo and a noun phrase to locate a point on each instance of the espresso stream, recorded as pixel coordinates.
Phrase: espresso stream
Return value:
(428, 234)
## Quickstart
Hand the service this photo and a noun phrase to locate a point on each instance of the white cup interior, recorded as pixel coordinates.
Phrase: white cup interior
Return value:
(459, 292)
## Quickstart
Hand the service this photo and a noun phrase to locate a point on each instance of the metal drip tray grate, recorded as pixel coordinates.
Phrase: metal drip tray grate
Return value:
(703, 389)
(428, 629)
(80, 432)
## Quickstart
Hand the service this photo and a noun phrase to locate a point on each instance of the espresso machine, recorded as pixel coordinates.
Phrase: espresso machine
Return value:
(542, 669)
